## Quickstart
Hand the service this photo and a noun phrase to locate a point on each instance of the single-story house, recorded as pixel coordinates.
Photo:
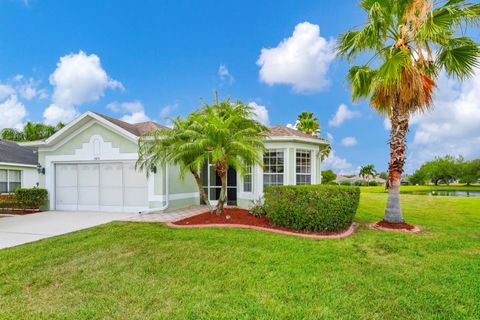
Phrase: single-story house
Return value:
(18, 167)
(354, 179)
(90, 165)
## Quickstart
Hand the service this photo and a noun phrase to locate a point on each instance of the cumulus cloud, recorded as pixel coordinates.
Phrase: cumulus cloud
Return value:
(12, 113)
(453, 126)
(343, 114)
(134, 112)
(338, 164)
(224, 74)
(78, 78)
(5, 91)
(301, 60)
(349, 141)
(260, 113)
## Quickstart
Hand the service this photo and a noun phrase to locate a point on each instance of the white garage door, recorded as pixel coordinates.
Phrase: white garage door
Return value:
(113, 187)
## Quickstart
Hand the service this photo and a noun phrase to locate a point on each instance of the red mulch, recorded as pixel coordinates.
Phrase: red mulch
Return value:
(19, 212)
(395, 226)
(237, 216)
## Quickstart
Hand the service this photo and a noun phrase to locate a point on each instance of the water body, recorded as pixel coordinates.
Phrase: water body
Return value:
(444, 193)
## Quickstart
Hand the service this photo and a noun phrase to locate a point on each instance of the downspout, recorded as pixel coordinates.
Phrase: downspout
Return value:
(165, 206)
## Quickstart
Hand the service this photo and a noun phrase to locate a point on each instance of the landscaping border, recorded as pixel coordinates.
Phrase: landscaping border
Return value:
(374, 226)
(351, 229)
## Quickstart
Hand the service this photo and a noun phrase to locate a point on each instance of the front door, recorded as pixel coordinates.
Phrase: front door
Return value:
(213, 185)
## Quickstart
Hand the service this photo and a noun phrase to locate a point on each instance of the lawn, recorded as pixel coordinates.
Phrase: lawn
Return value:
(141, 270)
(407, 189)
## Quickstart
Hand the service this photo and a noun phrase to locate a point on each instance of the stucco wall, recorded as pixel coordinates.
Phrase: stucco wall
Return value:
(29, 175)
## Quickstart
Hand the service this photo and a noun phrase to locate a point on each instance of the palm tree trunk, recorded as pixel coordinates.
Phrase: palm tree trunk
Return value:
(222, 170)
(398, 135)
(203, 194)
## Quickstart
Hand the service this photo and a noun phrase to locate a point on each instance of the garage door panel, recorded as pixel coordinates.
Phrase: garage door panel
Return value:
(111, 175)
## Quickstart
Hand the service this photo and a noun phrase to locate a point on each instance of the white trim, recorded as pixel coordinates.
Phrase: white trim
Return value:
(177, 196)
(18, 165)
(313, 168)
(70, 137)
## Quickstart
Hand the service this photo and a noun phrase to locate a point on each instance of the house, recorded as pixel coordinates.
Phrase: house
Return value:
(90, 165)
(354, 179)
(18, 167)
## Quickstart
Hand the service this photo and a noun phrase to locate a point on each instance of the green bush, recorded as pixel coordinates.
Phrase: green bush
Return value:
(318, 208)
(332, 183)
(31, 198)
(373, 183)
(345, 183)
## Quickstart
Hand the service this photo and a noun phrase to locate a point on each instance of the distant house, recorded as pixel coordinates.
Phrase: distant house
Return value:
(354, 179)
(18, 167)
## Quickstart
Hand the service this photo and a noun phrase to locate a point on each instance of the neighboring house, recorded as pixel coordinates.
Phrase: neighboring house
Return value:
(18, 167)
(354, 179)
(90, 165)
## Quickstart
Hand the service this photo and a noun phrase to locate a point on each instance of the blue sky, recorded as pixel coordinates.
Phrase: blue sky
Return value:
(155, 59)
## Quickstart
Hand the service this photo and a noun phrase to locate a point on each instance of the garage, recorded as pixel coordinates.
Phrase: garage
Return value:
(109, 186)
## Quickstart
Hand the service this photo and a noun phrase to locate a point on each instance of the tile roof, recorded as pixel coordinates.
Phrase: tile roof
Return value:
(137, 129)
(11, 152)
(284, 131)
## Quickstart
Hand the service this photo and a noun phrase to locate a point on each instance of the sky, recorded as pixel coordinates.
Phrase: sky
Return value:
(154, 60)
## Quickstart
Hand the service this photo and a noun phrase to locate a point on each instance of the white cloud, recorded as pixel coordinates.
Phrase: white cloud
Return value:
(78, 78)
(12, 113)
(301, 60)
(5, 91)
(28, 88)
(343, 113)
(292, 126)
(349, 141)
(330, 137)
(135, 112)
(224, 74)
(338, 164)
(386, 124)
(453, 127)
(260, 113)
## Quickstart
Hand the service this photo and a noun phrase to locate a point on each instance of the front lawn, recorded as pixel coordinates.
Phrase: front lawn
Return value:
(407, 189)
(142, 270)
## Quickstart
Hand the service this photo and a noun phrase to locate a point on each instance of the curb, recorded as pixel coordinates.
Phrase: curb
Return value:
(353, 227)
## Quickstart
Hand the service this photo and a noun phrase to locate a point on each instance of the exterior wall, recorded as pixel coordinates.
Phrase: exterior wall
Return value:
(244, 200)
(29, 174)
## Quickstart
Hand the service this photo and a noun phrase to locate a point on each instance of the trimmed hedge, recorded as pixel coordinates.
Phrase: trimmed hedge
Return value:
(31, 198)
(316, 208)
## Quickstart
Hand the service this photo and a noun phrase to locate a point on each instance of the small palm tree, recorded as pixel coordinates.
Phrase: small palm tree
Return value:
(168, 146)
(367, 171)
(233, 138)
(411, 42)
(306, 122)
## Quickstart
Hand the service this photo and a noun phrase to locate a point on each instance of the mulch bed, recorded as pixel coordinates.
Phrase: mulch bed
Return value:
(19, 212)
(402, 227)
(237, 216)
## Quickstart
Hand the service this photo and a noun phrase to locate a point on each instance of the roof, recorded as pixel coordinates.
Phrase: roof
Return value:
(137, 129)
(11, 152)
(284, 131)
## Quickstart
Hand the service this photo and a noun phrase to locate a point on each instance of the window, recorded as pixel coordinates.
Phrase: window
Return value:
(247, 180)
(274, 163)
(10, 180)
(304, 167)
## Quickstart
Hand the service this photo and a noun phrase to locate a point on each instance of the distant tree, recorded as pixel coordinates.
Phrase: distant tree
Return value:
(328, 176)
(383, 175)
(440, 170)
(470, 171)
(31, 132)
(306, 122)
(418, 178)
(367, 172)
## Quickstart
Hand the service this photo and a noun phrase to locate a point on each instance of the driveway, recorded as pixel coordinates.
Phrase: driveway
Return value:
(28, 228)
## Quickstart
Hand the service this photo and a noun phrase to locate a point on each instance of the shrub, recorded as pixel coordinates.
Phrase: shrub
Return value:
(373, 183)
(31, 198)
(345, 183)
(332, 183)
(318, 208)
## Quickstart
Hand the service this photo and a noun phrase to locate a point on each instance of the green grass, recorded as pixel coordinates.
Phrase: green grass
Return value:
(407, 189)
(144, 271)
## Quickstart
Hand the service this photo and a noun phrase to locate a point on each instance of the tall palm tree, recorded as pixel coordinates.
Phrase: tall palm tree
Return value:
(367, 171)
(168, 146)
(306, 122)
(411, 42)
(233, 138)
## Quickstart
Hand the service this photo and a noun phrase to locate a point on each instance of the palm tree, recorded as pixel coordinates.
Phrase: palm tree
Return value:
(31, 132)
(411, 42)
(367, 171)
(168, 146)
(307, 123)
(232, 137)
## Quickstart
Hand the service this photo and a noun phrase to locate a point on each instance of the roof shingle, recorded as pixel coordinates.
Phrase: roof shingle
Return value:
(11, 152)
(137, 129)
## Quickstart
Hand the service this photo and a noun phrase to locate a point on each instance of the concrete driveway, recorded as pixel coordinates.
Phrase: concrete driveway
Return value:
(28, 228)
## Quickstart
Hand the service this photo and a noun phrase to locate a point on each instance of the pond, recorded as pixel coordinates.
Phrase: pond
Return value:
(444, 193)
